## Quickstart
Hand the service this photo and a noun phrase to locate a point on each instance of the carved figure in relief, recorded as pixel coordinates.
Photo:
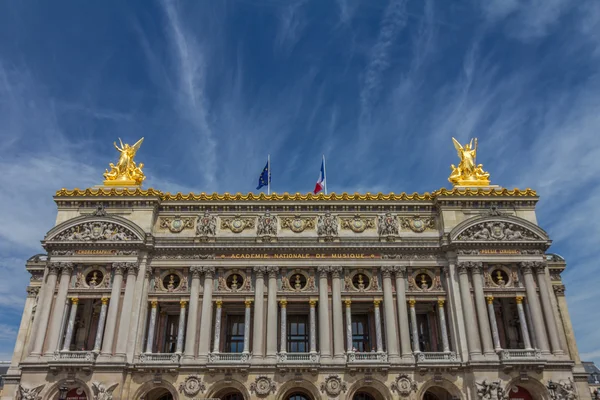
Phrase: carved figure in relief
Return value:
(327, 225)
(489, 391)
(387, 225)
(348, 283)
(562, 390)
(206, 225)
(102, 392)
(311, 283)
(267, 225)
(30, 394)
(222, 285)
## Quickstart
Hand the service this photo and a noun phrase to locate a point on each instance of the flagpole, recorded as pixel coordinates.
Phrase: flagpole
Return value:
(325, 174)
(268, 174)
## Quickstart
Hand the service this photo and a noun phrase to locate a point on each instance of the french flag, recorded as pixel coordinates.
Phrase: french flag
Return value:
(321, 182)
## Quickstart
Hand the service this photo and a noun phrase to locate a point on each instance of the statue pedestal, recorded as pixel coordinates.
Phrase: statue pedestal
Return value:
(121, 183)
(467, 185)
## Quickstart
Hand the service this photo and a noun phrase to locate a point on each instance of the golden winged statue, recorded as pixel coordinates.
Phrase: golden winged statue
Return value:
(468, 173)
(126, 172)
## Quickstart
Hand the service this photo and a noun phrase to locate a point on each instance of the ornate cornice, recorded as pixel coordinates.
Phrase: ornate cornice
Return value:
(102, 192)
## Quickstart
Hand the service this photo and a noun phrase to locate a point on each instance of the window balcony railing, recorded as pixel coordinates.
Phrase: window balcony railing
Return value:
(520, 354)
(159, 358)
(436, 357)
(367, 357)
(298, 357)
(74, 356)
(229, 357)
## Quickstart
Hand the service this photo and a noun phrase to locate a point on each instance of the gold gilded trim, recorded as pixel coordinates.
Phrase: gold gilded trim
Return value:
(113, 192)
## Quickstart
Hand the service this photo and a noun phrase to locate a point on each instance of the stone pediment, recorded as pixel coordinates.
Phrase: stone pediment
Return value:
(498, 229)
(96, 229)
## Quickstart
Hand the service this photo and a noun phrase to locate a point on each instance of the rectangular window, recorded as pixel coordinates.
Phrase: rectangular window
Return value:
(169, 344)
(361, 339)
(297, 334)
(234, 336)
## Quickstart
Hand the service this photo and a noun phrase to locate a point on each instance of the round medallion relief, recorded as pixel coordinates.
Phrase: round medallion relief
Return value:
(361, 281)
(171, 281)
(235, 281)
(500, 277)
(94, 278)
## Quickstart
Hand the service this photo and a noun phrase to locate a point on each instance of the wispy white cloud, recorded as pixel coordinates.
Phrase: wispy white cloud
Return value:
(292, 22)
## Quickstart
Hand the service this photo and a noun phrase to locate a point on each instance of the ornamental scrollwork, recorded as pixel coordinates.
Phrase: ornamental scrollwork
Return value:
(192, 386)
(267, 225)
(298, 224)
(333, 386)
(357, 224)
(206, 225)
(177, 223)
(327, 225)
(238, 224)
(262, 386)
(417, 224)
(404, 385)
(30, 394)
(387, 225)
(102, 392)
(96, 231)
(497, 231)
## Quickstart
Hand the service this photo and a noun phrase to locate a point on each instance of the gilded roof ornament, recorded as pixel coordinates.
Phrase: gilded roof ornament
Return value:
(126, 172)
(468, 173)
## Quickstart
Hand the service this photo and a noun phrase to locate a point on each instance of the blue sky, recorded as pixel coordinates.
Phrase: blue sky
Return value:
(379, 87)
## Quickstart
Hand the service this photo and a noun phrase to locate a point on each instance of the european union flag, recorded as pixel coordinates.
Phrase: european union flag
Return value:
(265, 177)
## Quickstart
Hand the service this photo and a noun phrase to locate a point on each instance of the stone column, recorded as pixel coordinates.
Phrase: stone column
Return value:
(324, 338)
(540, 269)
(313, 326)
(113, 309)
(259, 305)
(403, 313)
(530, 328)
(482, 317)
(101, 322)
(70, 324)
(272, 313)
(60, 303)
(192, 325)
(535, 308)
(378, 335)
(473, 343)
(124, 322)
(413, 322)
(217, 340)
(338, 320)
(180, 331)
(44, 307)
(248, 304)
(151, 327)
(390, 321)
(206, 316)
(493, 323)
(523, 322)
(349, 347)
(283, 328)
(442, 317)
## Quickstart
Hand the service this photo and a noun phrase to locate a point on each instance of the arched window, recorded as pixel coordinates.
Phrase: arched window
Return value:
(363, 396)
(298, 396)
(233, 396)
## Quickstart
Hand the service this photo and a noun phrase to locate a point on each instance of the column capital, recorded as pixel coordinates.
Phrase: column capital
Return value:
(386, 271)
(118, 268)
(104, 301)
(441, 302)
(323, 270)
(272, 270)
(490, 299)
(400, 271)
(248, 303)
(539, 267)
(154, 303)
(66, 268)
(529, 266)
(74, 300)
(209, 271)
(283, 303)
(464, 267)
(519, 299)
(53, 268)
(260, 270)
(336, 271)
(183, 303)
(348, 302)
(312, 302)
(219, 303)
(412, 303)
(195, 271)
(376, 302)
(132, 268)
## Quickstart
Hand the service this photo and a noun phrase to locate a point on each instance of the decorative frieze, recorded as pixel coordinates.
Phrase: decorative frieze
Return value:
(489, 390)
(298, 224)
(357, 224)
(267, 225)
(498, 231)
(192, 386)
(404, 385)
(176, 223)
(238, 224)
(387, 226)
(101, 392)
(96, 231)
(417, 224)
(333, 386)
(30, 394)
(263, 385)
(327, 226)
(564, 389)
(206, 225)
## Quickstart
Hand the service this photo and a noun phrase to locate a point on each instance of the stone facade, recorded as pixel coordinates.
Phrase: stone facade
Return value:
(146, 295)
